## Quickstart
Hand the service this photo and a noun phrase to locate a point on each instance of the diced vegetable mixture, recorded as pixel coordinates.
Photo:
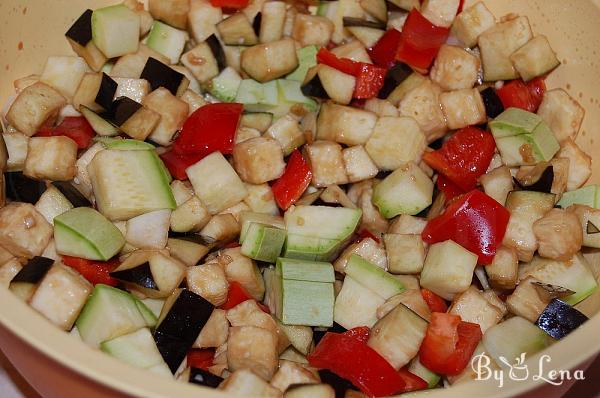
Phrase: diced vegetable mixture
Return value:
(292, 198)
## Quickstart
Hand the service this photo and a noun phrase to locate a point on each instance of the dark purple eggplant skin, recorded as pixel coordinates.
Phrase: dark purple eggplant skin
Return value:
(493, 104)
(314, 88)
(140, 275)
(204, 378)
(106, 91)
(172, 349)
(319, 334)
(121, 110)
(72, 194)
(161, 75)
(217, 51)
(256, 23)
(396, 75)
(591, 228)
(34, 271)
(20, 188)
(559, 319)
(544, 184)
(81, 30)
(339, 384)
(363, 23)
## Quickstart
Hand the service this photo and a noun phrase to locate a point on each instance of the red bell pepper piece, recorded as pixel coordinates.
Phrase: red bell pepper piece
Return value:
(96, 272)
(475, 221)
(76, 128)
(353, 360)
(420, 41)
(450, 189)
(412, 381)
(464, 157)
(237, 295)
(200, 359)
(369, 77)
(449, 344)
(360, 333)
(231, 4)
(434, 302)
(383, 53)
(176, 164)
(288, 188)
(210, 128)
(517, 94)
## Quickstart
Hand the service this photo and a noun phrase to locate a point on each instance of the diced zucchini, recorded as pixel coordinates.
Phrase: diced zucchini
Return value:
(587, 196)
(373, 277)
(356, 305)
(137, 349)
(307, 58)
(448, 269)
(115, 30)
(225, 86)
(535, 58)
(167, 40)
(263, 243)
(311, 248)
(320, 221)
(302, 270)
(417, 368)
(52, 203)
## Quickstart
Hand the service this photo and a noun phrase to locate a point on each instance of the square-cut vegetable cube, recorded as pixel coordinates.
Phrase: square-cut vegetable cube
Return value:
(359, 165)
(472, 22)
(497, 45)
(193, 100)
(326, 163)
(353, 50)
(16, 146)
(525, 301)
(34, 106)
(286, 131)
(202, 19)
(503, 271)
(209, 282)
(312, 30)
(258, 160)
(8, 271)
(87, 91)
(245, 271)
(440, 12)
(173, 12)
(463, 108)
(191, 215)
(220, 228)
(380, 107)
(356, 305)
(269, 61)
(260, 199)
(51, 158)
(472, 306)
(406, 224)
(136, 89)
(535, 58)
(246, 381)
(61, 296)
(338, 85)
(253, 348)
(448, 269)
(216, 183)
(455, 68)
(422, 103)
(173, 112)
(395, 141)
(406, 253)
(345, 124)
(201, 61)
(580, 164)
(272, 21)
(23, 231)
(563, 114)
(64, 73)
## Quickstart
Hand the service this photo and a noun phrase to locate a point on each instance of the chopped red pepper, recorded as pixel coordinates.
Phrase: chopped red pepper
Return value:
(231, 4)
(200, 359)
(475, 221)
(369, 77)
(450, 189)
(210, 128)
(412, 381)
(518, 94)
(178, 163)
(383, 53)
(288, 188)
(449, 344)
(360, 333)
(352, 359)
(434, 302)
(420, 41)
(96, 272)
(237, 295)
(76, 128)
(464, 157)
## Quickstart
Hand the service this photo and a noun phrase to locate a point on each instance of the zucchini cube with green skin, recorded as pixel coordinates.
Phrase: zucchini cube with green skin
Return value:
(373, 277)
(448, 269)
(535, 58)
(226, 85)
(311, 248)
(247, 218)
(356, 305)
(115, 30)
(137, 349)
(408, 190)
(216, 183)
(84, 232)
(167, 40)
(322, 221)
(307, 58)
(129, 183)
(263, 243)
(303, 270)
(395, 141)
(587, 196)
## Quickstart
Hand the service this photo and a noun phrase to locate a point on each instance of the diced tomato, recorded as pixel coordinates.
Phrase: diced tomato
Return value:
(475, 221)
(288, 188)
(210, 128)
(412, 382)
(420, 40)
(176, 164)
(434, 302)
(96, 272)
(76, 128)
(230, 4)
(237, 295)
(449, 343)
(200, 359)
(383, 53)
(518, 94)
(450, 189)
(464, 157)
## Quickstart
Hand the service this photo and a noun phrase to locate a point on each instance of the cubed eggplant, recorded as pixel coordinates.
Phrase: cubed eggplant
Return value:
(161, 75)
(20, 188)
(106, 91)
(140, 275)
(24, 283)
(314, 88)
(72, 194)
(394, 76)
(319, 333)
(340, 385)
(493, 104)
(360, 22)
(217, 50)
(256, 23)
(559, 319)
(203, 377)
(542, 184)
(81, 30)
(122, 109)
